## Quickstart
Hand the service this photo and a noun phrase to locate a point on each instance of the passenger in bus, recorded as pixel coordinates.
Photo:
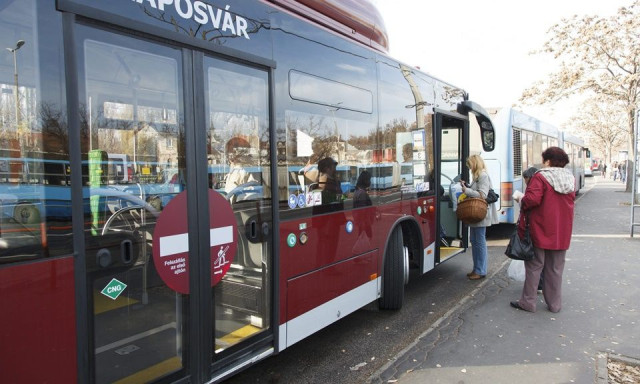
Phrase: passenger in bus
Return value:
(432, 184)
(479, 187)
(548, 204)
(361, 196)
(363, 218)
(309, 173)
(327, 182)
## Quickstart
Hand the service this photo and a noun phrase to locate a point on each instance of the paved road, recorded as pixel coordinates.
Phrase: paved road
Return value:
(352, 349)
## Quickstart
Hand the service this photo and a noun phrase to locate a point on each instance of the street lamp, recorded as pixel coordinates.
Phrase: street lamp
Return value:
(19, 44)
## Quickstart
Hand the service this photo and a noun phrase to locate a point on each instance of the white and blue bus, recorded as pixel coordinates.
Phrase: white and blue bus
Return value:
(520, 139)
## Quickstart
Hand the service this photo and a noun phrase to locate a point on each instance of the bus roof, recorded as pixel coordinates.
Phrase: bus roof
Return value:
(569, 138)
(523, 121)
(356, 19)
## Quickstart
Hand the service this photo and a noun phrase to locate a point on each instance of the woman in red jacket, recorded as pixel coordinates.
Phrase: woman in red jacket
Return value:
(548, 206)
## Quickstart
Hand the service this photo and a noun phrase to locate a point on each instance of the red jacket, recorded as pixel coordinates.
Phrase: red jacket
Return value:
(550, 213)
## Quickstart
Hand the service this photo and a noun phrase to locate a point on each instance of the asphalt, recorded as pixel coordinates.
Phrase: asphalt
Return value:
(484, 340)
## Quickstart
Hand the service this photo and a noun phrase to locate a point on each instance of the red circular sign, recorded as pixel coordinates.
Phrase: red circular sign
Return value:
(171, 241)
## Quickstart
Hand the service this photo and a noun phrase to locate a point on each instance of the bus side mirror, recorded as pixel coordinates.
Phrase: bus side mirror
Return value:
(488, 140)
(486, 126)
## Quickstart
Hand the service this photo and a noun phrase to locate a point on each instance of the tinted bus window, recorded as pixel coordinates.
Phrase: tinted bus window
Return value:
(35, 204)
(325, 154)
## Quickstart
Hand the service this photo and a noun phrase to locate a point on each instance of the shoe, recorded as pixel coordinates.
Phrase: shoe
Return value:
(516, 305)
(470, 273)
(475, 276)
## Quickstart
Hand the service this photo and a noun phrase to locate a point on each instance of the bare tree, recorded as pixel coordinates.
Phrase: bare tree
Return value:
(599, 56)
(603, 123)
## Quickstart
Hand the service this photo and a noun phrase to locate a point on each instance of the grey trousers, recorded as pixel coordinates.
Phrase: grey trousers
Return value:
(552, 263)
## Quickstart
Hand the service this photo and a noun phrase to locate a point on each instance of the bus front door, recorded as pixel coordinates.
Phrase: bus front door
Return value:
(171, 291)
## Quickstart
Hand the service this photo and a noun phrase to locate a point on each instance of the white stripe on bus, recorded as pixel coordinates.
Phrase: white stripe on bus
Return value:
(325, 314)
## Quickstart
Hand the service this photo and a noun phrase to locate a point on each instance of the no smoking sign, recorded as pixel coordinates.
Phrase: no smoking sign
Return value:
(171, 241)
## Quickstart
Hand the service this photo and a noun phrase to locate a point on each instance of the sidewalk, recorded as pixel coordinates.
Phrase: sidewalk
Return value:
(484, 340)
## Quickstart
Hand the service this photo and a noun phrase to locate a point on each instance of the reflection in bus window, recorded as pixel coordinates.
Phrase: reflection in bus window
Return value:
(239, 160)
(35, 219)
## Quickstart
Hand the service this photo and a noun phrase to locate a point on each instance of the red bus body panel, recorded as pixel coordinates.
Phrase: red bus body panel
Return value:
(334, 261)
(37, 326)
(313, 289)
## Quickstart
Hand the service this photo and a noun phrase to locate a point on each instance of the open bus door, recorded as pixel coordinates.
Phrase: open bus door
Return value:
(451, 132)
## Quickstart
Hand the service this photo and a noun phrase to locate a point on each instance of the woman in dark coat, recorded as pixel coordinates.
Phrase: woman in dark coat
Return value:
(548, 206)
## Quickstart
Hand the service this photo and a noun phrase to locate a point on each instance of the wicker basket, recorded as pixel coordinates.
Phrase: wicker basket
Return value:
(472, 210)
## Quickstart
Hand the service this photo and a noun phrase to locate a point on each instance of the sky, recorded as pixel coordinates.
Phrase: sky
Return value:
(484, 46)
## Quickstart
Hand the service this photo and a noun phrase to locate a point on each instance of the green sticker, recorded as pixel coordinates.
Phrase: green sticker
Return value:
(419, 210)
(291, 240)
(114, 289)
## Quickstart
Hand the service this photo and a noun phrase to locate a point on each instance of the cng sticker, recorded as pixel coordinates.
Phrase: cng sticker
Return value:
(114, 289)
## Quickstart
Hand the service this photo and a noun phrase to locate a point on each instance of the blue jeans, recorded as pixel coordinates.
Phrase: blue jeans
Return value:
(479, 249)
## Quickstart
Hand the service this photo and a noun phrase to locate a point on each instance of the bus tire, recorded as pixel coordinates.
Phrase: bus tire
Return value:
(394, 275)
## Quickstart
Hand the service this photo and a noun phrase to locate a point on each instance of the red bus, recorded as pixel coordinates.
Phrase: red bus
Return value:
(285, 172)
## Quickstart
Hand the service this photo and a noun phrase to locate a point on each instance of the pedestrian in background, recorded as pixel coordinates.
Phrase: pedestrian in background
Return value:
(548, 203)
(479, 187)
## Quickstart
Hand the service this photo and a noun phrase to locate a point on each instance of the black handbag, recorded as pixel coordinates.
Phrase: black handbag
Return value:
(492, 196)
(520, 248)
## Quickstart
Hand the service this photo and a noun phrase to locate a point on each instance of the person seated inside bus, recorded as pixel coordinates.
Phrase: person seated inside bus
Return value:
(327, 181)
(308, 174)
(431, 190)
(361, 197)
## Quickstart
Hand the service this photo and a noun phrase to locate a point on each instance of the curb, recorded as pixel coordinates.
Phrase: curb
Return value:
(602, 371)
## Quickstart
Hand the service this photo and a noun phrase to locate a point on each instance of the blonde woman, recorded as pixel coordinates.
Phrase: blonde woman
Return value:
(479, 187)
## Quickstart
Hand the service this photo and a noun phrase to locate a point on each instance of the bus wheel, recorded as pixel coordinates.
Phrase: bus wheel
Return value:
(395, 273)
(26, 213)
